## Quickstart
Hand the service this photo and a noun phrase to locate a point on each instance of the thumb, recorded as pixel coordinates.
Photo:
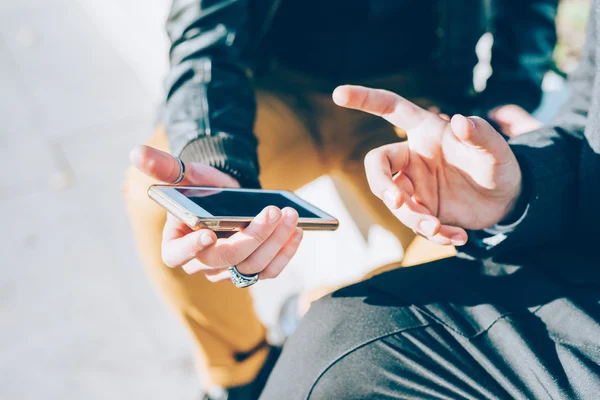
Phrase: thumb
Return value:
(164, 167)
(475, 132)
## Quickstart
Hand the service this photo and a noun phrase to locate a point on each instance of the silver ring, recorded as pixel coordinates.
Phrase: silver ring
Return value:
(181, 171)
(240, 280)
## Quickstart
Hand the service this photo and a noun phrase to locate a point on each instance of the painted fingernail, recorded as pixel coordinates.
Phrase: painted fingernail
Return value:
(390, 200)
(458, 240)
(427, 227)
(274, 215)
(206, 239)
(291, 216)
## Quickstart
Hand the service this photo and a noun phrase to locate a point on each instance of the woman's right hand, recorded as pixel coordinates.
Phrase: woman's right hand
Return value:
(447, 176)
(265, 247)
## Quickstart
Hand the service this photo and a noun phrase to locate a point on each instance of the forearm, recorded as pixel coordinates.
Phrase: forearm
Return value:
(211, 122)
(210, 106)
(549, 159)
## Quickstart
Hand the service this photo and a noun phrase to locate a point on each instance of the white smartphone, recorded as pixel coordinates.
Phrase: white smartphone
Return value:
(232, 209)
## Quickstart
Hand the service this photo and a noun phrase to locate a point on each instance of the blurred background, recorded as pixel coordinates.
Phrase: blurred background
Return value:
(80, 82)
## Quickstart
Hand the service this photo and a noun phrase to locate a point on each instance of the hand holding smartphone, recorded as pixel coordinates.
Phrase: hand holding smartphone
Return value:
(221, 209)
(263, 246)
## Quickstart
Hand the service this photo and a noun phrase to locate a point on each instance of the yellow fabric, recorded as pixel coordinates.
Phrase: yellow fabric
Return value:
(302, 136)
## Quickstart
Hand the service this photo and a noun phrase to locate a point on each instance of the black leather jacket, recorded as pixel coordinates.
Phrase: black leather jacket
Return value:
(210, 105)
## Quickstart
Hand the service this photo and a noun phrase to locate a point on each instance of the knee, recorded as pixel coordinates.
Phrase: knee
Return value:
(333, 329)
(352, 376)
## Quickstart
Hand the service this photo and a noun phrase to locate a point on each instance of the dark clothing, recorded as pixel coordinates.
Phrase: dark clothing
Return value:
(354, 40)
(451, 329)
(561, 167)
(210, 107)
(521, 319)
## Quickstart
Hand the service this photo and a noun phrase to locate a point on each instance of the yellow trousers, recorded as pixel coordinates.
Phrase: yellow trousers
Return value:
(302, 135)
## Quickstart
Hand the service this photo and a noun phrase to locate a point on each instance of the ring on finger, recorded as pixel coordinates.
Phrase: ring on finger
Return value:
(240, 280)
(181, 171)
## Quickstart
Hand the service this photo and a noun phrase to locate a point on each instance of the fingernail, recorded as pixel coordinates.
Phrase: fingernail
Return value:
(291, 216)
(274, 215)
(135, 155)
(472, 123)
(458, 240)
(338, 97)
(427, 227)
(191, 268)
(206, 239)
(390, 200)
(299, 233)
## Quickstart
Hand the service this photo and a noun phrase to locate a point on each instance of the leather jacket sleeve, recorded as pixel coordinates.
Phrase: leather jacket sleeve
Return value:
(524, 40)
(210, 104)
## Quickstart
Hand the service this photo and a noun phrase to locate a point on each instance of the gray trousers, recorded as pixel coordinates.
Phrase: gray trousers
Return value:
(451, 329)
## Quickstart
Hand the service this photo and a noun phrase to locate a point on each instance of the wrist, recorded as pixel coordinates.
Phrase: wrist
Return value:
(227, 154)
(517, 206)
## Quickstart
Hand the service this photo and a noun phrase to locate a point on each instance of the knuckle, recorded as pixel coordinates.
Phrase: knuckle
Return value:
(260, 235)
(252, 266)
(290, 251)
(167, 261)
(281, 236)
(229, 256)
(269, 274)
(274, 269)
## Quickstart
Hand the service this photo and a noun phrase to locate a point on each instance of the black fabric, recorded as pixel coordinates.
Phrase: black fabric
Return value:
(521, 319)
(354, 40)
(562, 165)
(216, 45)
(227, 153)
(523, 30)
(453, 329)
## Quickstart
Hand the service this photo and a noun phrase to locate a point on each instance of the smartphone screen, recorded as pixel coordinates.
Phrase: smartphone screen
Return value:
(223, 203)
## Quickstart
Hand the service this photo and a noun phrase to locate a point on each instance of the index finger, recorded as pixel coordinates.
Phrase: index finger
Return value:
(395, 109)
(164, 167)
(157, 164)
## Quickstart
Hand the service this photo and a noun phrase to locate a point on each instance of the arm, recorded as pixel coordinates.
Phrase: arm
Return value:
(210, 105)
(461, 174)
(550, 159)
(524, 40)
